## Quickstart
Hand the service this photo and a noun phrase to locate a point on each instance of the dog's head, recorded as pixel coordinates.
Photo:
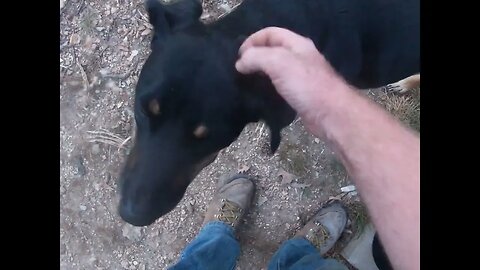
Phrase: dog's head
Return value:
(189, 104)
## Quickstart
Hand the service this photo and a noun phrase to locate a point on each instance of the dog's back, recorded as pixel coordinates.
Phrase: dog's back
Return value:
(370, 42)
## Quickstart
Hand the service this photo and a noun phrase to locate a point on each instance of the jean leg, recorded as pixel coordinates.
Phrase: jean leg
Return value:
(215, 247)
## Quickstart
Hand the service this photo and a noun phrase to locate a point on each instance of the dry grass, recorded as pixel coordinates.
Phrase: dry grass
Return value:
(358, 214)
(405, 107)
(107, 137)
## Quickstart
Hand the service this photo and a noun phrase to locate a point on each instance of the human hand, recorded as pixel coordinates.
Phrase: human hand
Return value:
(300, 74)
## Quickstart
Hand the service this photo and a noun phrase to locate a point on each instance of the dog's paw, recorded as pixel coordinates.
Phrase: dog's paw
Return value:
(396, 88)
(404, 85)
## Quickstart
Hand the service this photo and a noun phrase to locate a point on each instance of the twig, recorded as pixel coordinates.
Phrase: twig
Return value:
(84, 77)
(125, 141)
(261, 131)
(144, 17)
(228, 12)
(104, 141)
(105, 133)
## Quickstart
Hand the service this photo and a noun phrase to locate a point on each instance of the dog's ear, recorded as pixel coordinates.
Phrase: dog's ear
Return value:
(277, 115)
(262, 102)
(169, 18)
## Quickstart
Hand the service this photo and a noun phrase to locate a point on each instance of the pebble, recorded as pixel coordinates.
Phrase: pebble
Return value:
(131, 232)
(95, 149)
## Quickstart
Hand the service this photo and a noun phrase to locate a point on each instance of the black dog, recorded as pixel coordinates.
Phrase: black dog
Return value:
(191, 102)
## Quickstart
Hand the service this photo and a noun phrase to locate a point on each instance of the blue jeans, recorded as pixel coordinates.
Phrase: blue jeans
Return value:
(216, 248)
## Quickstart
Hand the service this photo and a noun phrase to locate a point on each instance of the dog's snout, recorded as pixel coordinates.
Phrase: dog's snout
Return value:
(130, 213)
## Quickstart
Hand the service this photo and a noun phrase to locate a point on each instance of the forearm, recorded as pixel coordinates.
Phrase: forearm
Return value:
(381, 155)
(383, 159)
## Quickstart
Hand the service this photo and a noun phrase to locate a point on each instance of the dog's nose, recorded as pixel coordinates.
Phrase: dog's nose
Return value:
(129, 214)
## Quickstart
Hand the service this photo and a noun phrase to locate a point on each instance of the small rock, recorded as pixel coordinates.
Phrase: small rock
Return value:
(83, 207)
(74, 39)
(317, 140)
(190, 205)
(78, 162)
(63, 248)
(287, 177)
(92, 260)
(104, 72)
(352, 194)
(349, 188)
(100, 28)
(131, 232)
(124, 264)
(189, 208)
(226, 7)
(262, 200)
(135, 262)
(96, 149)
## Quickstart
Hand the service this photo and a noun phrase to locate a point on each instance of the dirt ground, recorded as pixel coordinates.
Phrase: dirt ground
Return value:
(103, 45)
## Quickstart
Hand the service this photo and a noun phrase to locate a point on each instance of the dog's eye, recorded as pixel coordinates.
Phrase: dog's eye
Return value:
(200, 132)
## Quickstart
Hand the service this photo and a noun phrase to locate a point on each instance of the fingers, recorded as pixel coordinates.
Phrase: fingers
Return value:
(273, 37)
(267, 60)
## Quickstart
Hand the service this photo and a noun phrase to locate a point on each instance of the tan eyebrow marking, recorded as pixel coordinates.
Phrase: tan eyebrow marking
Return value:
(201, 131)
(154, 107)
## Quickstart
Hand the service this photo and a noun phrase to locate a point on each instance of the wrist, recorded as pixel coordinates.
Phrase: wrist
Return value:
(329, 98)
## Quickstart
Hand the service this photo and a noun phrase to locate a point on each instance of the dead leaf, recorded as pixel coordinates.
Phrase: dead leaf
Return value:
(287, 177)
(148, 25)
(74, 39)
(88, 43)
(123, 48)
(205, 16)
(243, 168)
(335, 198)
(145, 32)
(134, 53)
